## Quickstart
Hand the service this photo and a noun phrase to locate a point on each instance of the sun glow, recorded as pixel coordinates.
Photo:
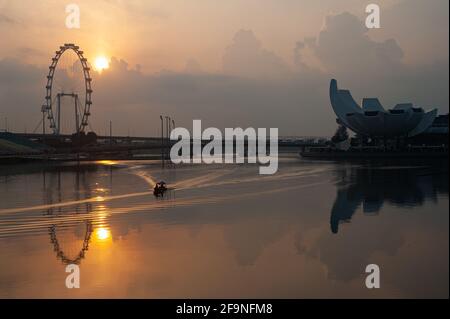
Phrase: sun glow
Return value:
(106, 162)
(102, 234)
(101, 63)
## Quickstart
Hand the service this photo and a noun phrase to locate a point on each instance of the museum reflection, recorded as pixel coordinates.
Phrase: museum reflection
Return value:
(371, 187)
(75, 227)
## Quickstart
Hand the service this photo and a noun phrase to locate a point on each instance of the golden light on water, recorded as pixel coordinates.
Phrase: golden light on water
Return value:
(101, 212)
(101, 190)
(101, 63)
(102, 234)
(106, 162)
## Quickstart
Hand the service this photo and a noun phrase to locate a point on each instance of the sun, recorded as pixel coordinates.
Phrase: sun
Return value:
(101, 63)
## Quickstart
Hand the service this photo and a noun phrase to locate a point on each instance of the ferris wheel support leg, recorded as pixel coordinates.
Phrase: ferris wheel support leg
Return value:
(43, 125)
(58, 129)
(76, 115)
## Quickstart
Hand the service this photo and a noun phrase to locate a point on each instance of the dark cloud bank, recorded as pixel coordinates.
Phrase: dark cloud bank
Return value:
(255, 88)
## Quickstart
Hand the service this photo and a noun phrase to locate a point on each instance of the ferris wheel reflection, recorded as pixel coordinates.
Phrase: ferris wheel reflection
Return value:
(76, 227)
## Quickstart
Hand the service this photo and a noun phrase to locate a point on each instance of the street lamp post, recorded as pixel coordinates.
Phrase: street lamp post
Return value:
(162, 140)
(167, 135)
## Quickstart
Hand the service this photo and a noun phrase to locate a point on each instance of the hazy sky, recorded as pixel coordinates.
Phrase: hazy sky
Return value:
(261, 63)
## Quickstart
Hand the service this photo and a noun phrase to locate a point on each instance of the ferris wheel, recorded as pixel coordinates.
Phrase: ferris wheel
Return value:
(69, 76)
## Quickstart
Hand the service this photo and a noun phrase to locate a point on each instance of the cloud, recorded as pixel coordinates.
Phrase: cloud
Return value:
(246, 57)
(343, 46)
(376, 68)
(255, 88)
(193, 67)
(4, 19)
(25, 53)
(220, 100)
(421, 28)
(139, 9)
(298, 59)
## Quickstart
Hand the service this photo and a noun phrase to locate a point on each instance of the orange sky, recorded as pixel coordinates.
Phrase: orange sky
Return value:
(280, 55)
(165, 34)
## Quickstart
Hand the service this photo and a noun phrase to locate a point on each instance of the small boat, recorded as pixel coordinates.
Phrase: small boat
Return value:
(159, 189)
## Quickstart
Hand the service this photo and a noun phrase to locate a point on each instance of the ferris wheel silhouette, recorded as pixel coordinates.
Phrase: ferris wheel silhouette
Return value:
(51, 109)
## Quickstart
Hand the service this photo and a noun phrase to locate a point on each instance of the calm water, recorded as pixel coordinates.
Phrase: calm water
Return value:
(225, 231)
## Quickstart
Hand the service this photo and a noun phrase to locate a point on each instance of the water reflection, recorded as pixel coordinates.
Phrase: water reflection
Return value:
(102, 234)
(59, 250)
(370, 187)
(73, 220)
(228, 227)
(49, 189)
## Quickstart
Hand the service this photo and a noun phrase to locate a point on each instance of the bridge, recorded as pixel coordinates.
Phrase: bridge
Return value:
(33, 146)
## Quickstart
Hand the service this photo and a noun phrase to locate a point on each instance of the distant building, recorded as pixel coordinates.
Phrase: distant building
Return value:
(405, 131)
(439, 126)
(435, 135)
(374, 121)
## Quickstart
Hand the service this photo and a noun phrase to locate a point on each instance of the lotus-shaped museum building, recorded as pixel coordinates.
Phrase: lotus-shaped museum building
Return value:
(373, 120)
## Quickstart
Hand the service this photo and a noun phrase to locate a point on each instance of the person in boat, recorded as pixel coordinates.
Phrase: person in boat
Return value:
(159, 189)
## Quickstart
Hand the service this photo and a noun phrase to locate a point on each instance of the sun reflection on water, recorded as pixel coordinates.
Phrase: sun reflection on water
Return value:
(99, 198)
(102, 235)
(106, 162)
